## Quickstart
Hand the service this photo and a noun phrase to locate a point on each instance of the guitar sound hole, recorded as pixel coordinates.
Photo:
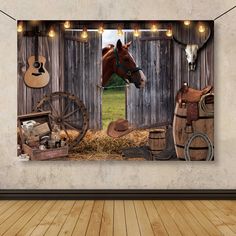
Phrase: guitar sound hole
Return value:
(36, 64)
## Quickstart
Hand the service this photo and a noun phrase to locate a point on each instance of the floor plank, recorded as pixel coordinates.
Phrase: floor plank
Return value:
(35, 220)
(178, 218)
(95, 219)
(154, 218)
(107, 219)
(208, 225)
(143, 220)
(119, 219)
(72, 218)
(167, 220)
(20, 223)
(48, 219)
(131, 219)
(190, 219)
(59, 220)
(17, 214)
(83, 221)
(226, 218)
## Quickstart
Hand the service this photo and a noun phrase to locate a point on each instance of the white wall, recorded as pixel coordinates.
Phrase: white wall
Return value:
(158, 175)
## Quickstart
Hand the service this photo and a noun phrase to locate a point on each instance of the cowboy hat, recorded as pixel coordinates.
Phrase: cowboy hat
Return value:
(119, 128)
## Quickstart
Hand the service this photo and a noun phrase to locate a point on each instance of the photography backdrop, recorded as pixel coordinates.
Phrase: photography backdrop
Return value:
(219, 174)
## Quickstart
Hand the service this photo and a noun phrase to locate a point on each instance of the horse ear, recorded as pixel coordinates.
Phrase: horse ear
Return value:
(128, 44)
(119, 44)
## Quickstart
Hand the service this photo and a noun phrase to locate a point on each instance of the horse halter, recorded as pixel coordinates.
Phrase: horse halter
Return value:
(128, 71)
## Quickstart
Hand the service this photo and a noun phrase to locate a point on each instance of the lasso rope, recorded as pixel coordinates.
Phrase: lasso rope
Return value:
(202, 104)
(210, 153)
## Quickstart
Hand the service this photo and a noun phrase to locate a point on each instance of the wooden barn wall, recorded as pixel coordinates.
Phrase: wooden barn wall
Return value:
(50, 49)
(165, 66)
(204, 73)
(152, 105)
(73, 67)
(83, 73)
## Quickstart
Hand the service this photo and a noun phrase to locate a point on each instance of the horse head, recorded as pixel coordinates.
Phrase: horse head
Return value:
(119, 60)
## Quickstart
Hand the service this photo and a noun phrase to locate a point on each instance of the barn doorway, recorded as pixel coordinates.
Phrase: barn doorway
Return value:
(113, 96)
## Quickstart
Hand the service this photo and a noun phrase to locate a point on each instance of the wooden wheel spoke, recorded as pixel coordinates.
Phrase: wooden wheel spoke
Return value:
(66, 108)
(71, 113)
(70, 126)
(53, 108)
(64, 128)
(68, 112)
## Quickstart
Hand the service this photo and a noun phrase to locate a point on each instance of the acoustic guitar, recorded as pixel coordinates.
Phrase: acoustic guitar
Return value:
(36, 76)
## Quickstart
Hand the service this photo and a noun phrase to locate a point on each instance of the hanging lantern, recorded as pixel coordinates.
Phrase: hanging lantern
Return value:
(169, 33)
(154, 28)
(67, 24)
(84, 34)
(187, 22)
(100, 29)
(136, 33)
(119, 31)
(20, 27)
(201, 28)
(51, 33)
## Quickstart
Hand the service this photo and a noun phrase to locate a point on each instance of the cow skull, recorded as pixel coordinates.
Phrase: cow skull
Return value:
(191, 51)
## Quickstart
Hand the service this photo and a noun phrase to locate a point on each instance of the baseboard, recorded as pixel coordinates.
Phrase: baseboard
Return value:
(122, 194)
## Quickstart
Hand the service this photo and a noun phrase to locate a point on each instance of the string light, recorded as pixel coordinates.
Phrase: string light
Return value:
(201, 28)
(51, 33)
(67, 24)
(20, 27)
(84, 34)
(169, 33)
(119, 32)
(187, 22)
(100, 29)
(154, 28)
(136, 33)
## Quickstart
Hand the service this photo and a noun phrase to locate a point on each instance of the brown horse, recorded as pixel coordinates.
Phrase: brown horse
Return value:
(118, 60)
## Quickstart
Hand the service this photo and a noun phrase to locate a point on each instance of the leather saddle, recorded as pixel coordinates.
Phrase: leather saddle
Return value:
(190, 97)
(187, 94)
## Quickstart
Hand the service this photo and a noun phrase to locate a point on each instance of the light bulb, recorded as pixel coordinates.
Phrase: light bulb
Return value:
(19, 27)
(67, 24)
(201, 28)
(84, 34)
(169, 33)
(119, 32)
(136, 33)
(51, 33)
(154, 28)
(100, 29)
(187, 22)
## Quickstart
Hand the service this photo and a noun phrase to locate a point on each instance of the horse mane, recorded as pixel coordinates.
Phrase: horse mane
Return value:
(107, 48)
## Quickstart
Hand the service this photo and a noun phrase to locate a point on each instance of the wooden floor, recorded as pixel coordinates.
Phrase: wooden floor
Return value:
(117, 218)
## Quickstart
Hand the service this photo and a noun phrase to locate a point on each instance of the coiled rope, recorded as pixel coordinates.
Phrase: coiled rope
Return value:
(202, 104)
(210, 153)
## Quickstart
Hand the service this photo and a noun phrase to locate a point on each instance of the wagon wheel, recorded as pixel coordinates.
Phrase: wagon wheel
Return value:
(68, 112)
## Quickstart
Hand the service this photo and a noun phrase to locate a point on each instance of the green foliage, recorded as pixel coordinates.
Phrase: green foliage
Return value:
(116, 81)
(113, 106)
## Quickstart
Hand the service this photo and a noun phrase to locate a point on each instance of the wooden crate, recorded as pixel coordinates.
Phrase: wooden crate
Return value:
(40, 155)
(34, 153)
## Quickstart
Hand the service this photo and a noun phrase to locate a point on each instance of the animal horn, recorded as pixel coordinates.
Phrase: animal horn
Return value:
(206, 40)
(179, 42)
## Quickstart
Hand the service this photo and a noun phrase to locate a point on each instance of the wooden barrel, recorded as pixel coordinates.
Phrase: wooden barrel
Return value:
(157, 141)
(205, 124)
